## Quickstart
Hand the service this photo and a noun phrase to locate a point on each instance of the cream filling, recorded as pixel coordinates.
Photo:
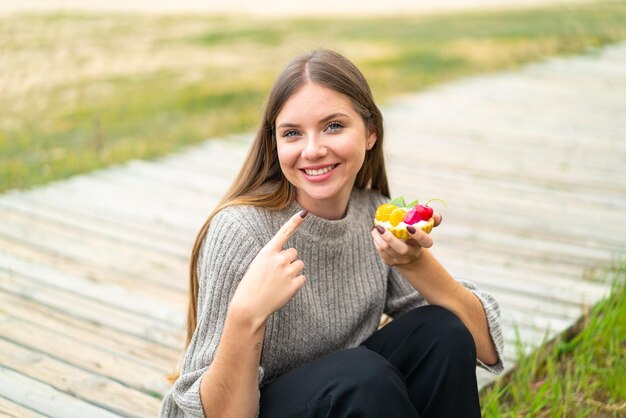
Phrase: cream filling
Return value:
(388, 225)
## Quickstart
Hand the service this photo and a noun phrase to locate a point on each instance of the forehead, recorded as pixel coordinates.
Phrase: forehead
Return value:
(313, 101)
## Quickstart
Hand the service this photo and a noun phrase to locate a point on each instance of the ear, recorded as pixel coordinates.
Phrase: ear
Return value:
(371, 139)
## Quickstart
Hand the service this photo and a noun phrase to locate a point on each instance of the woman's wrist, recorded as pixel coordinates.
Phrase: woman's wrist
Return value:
(246, 317)
(415, 263)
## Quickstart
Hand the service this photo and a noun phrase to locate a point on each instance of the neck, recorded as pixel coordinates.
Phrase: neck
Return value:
(332, 208)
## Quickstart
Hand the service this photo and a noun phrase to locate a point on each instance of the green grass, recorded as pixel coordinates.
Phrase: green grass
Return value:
(86, 91)
(581, 375)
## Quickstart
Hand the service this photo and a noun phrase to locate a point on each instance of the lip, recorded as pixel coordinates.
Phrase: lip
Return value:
(323, 177)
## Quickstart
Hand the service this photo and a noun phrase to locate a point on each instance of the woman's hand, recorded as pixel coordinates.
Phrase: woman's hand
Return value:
(402, 253)
(273, 277)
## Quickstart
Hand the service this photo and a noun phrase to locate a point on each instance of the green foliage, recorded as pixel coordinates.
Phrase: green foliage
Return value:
(85, 91)
(582, 377)
(399, 202)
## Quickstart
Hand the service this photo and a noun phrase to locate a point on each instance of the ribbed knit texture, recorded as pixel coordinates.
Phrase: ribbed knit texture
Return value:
(348, 288)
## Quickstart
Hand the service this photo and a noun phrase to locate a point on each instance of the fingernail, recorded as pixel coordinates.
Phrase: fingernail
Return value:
(410, 229)
(380, 229)
(304, 213)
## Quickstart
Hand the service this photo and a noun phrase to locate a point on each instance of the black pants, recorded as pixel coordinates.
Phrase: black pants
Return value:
(422, 364)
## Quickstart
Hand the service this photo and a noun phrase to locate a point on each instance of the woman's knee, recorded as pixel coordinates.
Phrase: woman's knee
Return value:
(352, 382)
(363, 365)
(370, 386)
(449, 333)
(364, 370)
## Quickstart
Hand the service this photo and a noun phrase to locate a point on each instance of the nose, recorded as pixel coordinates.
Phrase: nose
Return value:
(314, 148)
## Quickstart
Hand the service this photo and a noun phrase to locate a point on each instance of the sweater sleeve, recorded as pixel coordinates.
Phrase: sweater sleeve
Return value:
(402, 297)
(227, 251)
(492, 312)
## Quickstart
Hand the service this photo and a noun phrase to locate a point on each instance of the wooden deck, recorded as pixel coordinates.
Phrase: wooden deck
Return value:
(532, 164)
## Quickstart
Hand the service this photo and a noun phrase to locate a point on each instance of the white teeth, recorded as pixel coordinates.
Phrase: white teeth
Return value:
(319, 172)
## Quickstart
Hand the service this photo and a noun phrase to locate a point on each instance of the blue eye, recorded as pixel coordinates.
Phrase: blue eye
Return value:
(334, 126)
(290, 133)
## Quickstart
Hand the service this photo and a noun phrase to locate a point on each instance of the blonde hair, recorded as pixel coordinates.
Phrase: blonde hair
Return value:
(261, 168)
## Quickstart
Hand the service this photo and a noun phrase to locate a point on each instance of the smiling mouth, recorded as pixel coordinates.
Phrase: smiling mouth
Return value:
(320, 171)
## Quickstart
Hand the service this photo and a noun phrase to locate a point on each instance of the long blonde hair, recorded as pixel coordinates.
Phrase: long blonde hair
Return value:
(261, 168)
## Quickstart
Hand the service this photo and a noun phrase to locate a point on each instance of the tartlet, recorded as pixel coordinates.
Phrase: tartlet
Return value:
(397, 215)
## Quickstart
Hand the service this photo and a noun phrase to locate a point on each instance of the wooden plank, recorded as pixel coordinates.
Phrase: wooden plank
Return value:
(45, 399)
(545, 324)
(135, 349)
(150, 203)
(160, 188)
(204, 155)
(96, 247)
(492, 230)
(519, 280)
(91, 389)
(171, 245)
(522, 282)
(509, 266)
(179, 178)
(504, 131)
(12, 410)
(88, 270)
(210, 165)
(84, 355)
(96, 312)
(130, 297)
(513, 103)
(493, 124)
(534, 305)
(156, 271)
(482, 184)
(103, 197)
(134, 224)
(427, 118)
(164, 256)
(556, 213)
(493, 240)
(563, 168)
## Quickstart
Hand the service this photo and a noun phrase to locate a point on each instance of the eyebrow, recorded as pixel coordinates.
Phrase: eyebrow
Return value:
(325, 119)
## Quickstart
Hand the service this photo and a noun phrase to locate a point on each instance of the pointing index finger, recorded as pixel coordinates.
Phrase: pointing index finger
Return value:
(286, 231)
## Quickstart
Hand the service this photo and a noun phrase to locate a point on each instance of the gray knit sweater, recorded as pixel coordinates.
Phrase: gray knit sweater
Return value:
(348, 288)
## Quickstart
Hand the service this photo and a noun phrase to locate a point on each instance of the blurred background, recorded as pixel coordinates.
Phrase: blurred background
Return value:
(86, 84)
(93, 270)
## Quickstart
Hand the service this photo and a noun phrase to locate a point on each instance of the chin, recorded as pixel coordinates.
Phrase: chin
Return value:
(319, 194)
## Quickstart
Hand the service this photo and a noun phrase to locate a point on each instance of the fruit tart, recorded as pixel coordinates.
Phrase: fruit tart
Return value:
(397, 215)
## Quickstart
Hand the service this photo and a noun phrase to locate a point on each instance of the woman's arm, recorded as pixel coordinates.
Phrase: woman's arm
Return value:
(230, 386)
(438, 287)
(415, 263)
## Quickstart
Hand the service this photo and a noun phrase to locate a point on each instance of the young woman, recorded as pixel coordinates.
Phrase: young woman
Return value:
(289, 279)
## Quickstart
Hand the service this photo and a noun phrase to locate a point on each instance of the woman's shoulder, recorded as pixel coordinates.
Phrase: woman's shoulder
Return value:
(237, 213)
(253, 221)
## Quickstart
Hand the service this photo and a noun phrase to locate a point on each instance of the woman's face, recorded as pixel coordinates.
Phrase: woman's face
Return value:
(321, 142)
